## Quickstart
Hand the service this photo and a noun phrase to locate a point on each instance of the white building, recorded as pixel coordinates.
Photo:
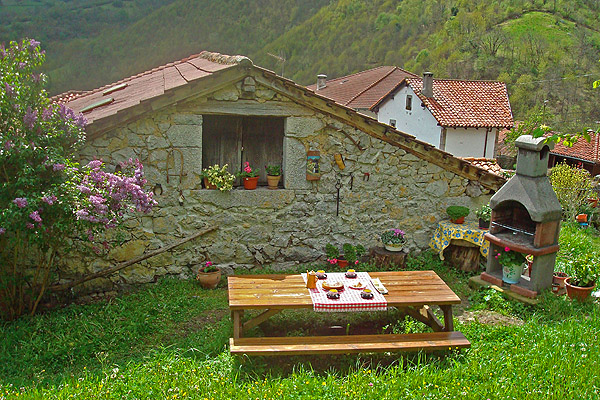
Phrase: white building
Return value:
(458, 116)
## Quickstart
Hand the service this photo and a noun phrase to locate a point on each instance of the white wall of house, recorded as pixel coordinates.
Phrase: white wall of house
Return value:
(461, 142)
(470, 142)
(417, 121)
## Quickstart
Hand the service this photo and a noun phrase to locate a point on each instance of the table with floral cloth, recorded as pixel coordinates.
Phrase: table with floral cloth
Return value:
(469, 231)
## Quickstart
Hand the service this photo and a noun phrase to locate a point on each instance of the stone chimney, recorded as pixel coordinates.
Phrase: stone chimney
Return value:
(321, 81)
(427, 84)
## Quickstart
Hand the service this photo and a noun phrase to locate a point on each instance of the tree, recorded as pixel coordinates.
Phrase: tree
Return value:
(48, 202)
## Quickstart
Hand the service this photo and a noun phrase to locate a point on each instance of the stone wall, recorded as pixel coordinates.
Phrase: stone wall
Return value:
(382, 187)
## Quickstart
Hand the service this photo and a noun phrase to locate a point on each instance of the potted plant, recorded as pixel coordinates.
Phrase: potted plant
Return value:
(512, 265)
(583, 276)
(352, 253)
(393, 239)
(249, 176)
(209, 275)
(484, 213)
(334, 257)
(273, 175)
(457, 213)
(559, 277)
(216, 177)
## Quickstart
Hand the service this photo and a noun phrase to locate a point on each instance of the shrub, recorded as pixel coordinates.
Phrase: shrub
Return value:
(572, 187)
(48, 202)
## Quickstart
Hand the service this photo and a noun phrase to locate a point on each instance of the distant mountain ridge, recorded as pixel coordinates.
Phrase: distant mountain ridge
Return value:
(546, 51)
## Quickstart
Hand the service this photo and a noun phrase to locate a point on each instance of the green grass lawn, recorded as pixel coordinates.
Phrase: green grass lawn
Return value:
(168, 340)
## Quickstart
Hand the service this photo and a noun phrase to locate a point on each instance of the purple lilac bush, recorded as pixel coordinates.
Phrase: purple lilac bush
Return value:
(47, 200)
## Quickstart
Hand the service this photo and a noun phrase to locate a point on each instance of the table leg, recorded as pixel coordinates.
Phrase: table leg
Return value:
(238, 330)
(448, 319)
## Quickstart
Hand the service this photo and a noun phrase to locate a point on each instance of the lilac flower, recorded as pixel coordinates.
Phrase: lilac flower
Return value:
(36, 77)
(58, 167)
(82, 214)
(47, 113)
(30, 117)
(9, 89)
(22, 65)
(80, 120)
(33, 44)
(2, 231)
(35, 216)
(9, 145)
(95, 165)
(84, 189)
(29, 225)
(20, 202)
(49, 199)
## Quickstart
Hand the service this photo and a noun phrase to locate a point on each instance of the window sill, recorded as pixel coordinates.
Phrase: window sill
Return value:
(260, 197)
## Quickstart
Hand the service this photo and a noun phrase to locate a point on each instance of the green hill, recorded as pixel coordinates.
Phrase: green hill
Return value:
(545, 50)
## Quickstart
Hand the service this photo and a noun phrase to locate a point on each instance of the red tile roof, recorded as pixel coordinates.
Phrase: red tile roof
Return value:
(131, 91)
(489, 165)
(363, 89)
(472, 104)
(501, 148)
(582, 149)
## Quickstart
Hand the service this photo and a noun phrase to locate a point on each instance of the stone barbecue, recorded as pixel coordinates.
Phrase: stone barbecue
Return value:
(526, 218)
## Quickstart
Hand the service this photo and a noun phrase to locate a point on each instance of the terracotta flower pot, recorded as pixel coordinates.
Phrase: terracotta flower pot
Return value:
(593, 202)
(250, 183)
(342, 263)
(460, 220)
(209, 280)
(209, 185)
(560, 279)
(581, 217)
(273, 181)
(578, 292)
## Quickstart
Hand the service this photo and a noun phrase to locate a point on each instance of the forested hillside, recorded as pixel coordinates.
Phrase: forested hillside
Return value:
(546, 51)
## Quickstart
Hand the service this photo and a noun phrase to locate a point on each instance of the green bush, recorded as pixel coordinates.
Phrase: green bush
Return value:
(572, 187)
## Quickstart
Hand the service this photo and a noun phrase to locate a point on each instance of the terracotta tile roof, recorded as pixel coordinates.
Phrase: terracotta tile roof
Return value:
(472, 104)
(501, 148)
(582, 149)
(488, 164)
(131, 91)
(365, 88)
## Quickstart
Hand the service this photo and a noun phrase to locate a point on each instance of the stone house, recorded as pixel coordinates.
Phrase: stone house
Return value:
(207, 108)
(461, 117)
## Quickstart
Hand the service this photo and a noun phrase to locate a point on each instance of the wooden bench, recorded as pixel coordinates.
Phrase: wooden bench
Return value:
(278, 346)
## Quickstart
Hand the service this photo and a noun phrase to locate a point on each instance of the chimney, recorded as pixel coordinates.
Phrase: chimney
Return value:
(427, 84)
(321, 81)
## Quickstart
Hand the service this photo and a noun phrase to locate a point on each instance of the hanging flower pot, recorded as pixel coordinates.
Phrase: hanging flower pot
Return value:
(578, 292)
(250, 183)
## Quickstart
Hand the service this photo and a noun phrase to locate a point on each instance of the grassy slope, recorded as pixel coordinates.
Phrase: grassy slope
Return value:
(169, 339)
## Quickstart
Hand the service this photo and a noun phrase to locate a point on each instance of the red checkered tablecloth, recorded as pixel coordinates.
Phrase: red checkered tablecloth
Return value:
(350, 299)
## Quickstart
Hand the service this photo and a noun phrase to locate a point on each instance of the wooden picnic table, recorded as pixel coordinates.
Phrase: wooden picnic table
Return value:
(414, 292)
